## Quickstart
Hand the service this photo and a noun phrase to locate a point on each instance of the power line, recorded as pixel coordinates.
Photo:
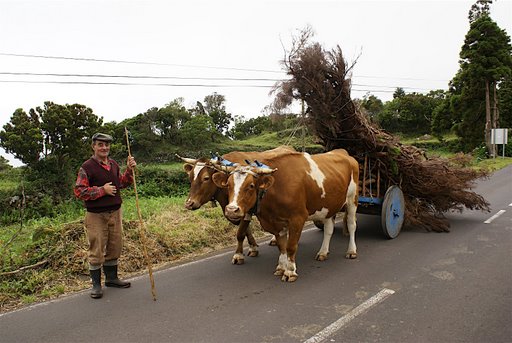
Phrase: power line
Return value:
(195, 66)
(136, 62)
(172, 77)
(165, 85)
(130, 84)
(138, 76)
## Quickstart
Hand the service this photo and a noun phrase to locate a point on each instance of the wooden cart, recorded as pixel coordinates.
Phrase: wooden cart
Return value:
(390, 206)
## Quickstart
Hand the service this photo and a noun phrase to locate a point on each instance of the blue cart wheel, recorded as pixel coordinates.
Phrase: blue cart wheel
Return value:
(393, 210)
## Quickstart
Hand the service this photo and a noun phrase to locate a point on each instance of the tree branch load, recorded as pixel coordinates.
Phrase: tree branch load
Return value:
(431, 186)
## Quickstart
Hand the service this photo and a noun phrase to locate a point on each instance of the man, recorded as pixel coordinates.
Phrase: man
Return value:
(98, 183)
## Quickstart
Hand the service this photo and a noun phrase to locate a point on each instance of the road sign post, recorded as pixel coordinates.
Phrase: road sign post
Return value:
(499, 136)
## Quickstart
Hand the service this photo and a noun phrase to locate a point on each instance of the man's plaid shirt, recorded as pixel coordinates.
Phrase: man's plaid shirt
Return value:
(85, 192)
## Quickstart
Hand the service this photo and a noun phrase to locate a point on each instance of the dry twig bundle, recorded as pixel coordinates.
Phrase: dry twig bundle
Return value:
(431, 186)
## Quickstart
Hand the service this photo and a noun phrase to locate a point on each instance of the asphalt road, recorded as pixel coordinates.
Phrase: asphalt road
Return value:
(419, 287)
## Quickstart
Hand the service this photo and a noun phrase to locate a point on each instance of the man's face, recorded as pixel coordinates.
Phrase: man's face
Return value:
(101, 149)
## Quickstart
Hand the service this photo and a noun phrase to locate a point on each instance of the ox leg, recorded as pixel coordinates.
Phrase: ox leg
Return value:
(273, 241)
(283, 258)
(238, 257)
(290, 273)
(253, 246)
(323, 253)
(343, 222)
(350, 219)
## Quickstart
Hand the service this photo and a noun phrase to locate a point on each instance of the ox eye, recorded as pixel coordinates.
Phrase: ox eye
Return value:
(206, 178)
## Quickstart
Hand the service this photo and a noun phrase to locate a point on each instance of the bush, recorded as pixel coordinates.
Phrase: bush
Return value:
(155, 181)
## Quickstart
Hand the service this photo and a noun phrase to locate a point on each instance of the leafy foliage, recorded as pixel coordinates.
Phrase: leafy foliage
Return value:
(411, 113)
(62, 131)
(485, 60)
(198, 131)
(23, 137)
(155, 182)
(4, 164)
(214, 107)
(372, 105)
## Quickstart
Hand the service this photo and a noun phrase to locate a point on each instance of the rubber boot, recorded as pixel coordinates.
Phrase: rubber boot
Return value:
(111, 279)
(96, 291)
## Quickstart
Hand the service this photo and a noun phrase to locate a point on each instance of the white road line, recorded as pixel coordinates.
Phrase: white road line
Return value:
(331, 329)
(510, 204)
(500, 212)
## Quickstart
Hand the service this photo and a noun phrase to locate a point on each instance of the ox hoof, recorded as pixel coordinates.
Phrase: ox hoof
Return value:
(279, 272)
(238, 259)
(321, 257)
(289, 277)
(351, 255)
(272, 242)
(253, 253)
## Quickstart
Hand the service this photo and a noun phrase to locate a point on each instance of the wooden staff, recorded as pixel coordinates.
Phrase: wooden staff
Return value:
(142, 230)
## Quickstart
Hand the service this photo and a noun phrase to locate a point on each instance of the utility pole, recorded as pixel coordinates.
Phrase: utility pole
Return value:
(303, 124)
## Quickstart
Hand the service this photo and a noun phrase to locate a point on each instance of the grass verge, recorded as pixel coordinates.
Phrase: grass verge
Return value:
(55, 252)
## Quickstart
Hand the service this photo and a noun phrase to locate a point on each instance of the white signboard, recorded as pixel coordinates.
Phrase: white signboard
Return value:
(499, 136)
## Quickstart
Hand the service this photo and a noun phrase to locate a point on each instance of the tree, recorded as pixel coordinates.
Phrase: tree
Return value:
(4, 164)
(254, 126)
(53, 140)
(170, 120)
(63, 131)
(67, 130)
(410, 113)
(198, 130)
(505, 103)
(23, 137)
(372, 105)
(485, 61)
(399, 92)
(214, 108)
(442, 116)
(143, 133)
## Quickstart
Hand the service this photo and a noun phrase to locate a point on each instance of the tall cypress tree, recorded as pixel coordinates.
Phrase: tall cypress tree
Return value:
(485, 62)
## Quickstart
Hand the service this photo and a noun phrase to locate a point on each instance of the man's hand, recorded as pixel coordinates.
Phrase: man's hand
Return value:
(110, 189)
(130, 163)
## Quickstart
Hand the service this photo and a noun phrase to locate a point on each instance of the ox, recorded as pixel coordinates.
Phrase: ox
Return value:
(297, 188)
(203, 189)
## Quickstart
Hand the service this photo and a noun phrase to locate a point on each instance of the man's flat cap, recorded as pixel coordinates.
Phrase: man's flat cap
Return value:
(102, 137)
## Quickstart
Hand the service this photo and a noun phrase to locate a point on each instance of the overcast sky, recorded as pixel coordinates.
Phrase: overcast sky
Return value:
(190, 45)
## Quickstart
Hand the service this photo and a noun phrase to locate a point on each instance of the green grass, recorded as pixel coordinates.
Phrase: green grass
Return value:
(269, 140)
(493, 164)
(10, 179)
(149, 206)
(170, 166)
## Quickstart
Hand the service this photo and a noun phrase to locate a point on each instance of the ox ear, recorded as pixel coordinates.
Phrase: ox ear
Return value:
(187, 167)
(220, 179)
(266, 182)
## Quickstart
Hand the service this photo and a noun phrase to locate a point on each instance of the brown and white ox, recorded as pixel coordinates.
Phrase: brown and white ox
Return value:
(203, 189)
(297, 188)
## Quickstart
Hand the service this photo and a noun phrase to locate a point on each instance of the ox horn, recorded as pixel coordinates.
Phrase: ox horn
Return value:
(187, 160)
(224, 168)
(260, 170)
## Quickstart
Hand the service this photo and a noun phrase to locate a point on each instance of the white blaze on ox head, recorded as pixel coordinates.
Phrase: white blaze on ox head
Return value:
(202, 189)
(243, 185)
